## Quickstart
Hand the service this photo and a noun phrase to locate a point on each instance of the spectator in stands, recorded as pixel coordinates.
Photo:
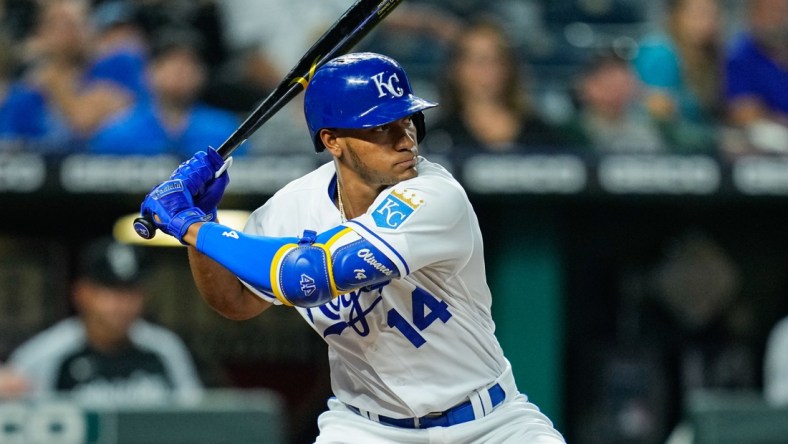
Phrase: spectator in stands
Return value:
(70, 88)
(487, 108)
(7, 66)
(107, 353)
(120, 45)
(757, 77)
(155, 16)
(173, 121)
(263, 45)
(610, 117)
(681, 69)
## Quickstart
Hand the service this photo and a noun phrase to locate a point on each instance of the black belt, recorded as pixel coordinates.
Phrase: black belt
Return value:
(458, 414)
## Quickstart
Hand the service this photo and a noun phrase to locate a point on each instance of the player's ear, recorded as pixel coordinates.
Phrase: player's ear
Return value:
(330, 139)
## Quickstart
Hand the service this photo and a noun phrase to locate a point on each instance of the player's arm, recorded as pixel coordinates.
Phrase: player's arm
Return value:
(306, 271)
(222, 290)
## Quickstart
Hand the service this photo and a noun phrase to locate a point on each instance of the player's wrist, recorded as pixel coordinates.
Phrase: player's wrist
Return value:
(180, 224)
(191, 235)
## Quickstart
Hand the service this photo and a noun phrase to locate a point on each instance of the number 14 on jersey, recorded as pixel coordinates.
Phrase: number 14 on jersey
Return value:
(426, 310)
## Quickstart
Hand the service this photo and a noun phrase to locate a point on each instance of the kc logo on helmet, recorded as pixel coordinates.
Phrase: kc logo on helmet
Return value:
(390, 86)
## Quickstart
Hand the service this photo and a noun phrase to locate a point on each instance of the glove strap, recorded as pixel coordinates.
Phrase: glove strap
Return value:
(181, 222)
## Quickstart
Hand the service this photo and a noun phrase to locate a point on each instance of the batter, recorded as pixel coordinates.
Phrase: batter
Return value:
(381, 253)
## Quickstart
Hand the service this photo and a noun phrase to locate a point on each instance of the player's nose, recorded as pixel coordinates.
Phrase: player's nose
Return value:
(405, 133)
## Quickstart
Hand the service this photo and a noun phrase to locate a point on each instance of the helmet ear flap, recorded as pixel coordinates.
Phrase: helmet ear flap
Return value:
(319, 147)
(421, 127)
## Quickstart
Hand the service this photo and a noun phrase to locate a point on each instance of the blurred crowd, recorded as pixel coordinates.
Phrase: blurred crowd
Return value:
(173, 77)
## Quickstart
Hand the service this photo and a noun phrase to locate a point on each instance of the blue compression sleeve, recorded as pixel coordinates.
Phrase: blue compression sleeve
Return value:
(248, 257)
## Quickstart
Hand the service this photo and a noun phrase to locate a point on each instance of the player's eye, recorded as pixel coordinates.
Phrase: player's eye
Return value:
(388, 126)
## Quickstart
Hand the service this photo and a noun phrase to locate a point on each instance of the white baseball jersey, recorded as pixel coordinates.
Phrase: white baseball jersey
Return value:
(424, 341)
(155, 367)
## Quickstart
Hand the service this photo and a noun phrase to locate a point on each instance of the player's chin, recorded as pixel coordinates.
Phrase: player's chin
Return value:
(406, 172)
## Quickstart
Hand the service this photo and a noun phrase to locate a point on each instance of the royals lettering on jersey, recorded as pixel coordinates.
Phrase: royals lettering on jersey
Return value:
(356, 310)
(349, 310)
(396, 208)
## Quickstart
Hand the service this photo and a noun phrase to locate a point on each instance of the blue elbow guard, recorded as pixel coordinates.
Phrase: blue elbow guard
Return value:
(319, 268)
(301, 273)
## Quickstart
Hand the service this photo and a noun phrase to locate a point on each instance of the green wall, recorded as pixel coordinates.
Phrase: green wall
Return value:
(526, 279)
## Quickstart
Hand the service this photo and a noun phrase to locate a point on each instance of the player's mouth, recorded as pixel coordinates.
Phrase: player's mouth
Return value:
(406, 164)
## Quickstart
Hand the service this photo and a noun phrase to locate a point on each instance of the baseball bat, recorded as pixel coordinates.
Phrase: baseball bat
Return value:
(346, 32)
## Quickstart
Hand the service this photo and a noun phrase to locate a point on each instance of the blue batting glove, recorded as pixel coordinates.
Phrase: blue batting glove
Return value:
(171, 208)
(199, 176)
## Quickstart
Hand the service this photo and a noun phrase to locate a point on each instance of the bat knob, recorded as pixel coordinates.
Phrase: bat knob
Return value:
(144, 228)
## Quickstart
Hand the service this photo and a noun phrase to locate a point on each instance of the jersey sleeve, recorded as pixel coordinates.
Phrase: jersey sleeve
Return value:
(419, 222)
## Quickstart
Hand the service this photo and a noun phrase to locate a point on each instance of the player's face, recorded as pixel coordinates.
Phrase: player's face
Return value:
(108, 313)
(383, 155)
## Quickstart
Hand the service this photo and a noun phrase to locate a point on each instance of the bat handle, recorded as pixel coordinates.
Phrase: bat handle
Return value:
(144, 228)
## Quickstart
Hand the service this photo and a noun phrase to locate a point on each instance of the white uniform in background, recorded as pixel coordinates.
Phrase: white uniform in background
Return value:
(155, 367)
(775, 377)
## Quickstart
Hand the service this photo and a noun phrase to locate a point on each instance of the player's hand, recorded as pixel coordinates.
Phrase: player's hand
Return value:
(13, 384)
(171, 208)
(199, 176)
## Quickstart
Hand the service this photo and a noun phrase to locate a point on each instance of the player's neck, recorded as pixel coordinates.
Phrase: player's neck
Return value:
(104, 342)
(354, 196)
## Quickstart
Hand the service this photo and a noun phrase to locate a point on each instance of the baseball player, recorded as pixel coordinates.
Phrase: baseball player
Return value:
(381, 253)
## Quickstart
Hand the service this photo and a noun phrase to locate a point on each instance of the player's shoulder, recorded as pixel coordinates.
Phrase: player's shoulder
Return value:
(155, 337)
(434, 195)
(160, 341)
(433, 179)
(779, 333)
(50, 344)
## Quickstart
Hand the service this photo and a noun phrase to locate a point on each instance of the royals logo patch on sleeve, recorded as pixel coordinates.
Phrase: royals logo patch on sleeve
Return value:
(396, 208)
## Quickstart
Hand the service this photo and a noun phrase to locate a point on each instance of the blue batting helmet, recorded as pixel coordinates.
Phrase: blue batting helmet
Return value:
(361, 90)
